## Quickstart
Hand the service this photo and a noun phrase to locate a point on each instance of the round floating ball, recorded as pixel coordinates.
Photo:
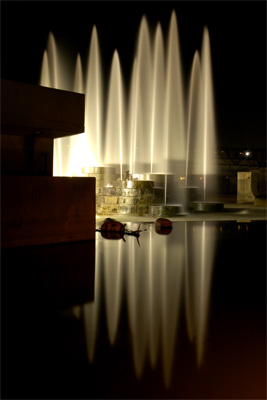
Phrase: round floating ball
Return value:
(163, 226)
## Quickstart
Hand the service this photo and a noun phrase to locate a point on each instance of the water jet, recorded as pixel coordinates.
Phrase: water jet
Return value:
(157, 139)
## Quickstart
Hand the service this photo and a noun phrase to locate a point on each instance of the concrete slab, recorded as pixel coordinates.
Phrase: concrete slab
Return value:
(47, 113)
(41, 210)
(231, 212)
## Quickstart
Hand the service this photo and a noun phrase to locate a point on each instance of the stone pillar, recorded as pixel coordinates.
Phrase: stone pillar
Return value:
(244, 192)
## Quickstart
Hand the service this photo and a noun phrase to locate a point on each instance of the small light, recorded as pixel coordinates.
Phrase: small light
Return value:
(247, 153)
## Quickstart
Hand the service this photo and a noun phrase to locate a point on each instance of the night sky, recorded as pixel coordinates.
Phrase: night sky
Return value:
(238, 48)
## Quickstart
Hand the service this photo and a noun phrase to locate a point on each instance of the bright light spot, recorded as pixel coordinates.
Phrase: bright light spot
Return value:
(182, 178)
(201, 178)
(247, 153)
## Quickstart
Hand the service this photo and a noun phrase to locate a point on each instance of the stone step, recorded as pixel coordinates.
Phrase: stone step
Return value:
(165, 210)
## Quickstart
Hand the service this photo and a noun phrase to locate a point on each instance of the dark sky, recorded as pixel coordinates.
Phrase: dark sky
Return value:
(238, 48)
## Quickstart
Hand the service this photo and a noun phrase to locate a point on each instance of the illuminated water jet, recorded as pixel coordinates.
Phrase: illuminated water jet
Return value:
(152, 130)
(157, 161)
(115, 140)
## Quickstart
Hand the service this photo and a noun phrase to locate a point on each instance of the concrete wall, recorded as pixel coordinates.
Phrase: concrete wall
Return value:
(37, 208)
(40, 210)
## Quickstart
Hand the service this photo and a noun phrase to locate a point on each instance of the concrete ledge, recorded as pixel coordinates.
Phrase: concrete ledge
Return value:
(48, 113)
(43, 210)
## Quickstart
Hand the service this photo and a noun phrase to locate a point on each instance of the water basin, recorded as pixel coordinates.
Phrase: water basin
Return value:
(181, 315)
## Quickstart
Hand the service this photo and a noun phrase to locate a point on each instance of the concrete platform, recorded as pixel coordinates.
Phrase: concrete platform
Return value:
(231, 212)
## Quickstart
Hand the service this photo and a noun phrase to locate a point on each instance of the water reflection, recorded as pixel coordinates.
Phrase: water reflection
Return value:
(200, 249)
(154, 281)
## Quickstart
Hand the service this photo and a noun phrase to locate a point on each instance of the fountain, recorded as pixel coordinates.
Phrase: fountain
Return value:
(150, 150)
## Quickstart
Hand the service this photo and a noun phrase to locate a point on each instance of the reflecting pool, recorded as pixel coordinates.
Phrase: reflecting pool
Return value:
(177, 315)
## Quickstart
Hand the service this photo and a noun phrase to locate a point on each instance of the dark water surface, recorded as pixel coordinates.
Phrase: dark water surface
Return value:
(178, 315)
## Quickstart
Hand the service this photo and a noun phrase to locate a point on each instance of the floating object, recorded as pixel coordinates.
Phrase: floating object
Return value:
(111, 225)
(163, 226)
(112, 229)
(112, 235)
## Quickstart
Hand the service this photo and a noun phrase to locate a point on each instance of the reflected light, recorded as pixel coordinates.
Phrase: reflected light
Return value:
(154, 278)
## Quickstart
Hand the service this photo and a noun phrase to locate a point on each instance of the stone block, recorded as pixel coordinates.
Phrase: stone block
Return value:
(107, 209)
(99, 199)
(128, 209)
(128, 200)
(244, 192)
(111, 199)
(142, 185)
(165, 210)
(130, 192)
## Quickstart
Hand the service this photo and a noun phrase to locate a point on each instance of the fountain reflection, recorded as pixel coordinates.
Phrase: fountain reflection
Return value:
(198, 274)
(153, 280)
